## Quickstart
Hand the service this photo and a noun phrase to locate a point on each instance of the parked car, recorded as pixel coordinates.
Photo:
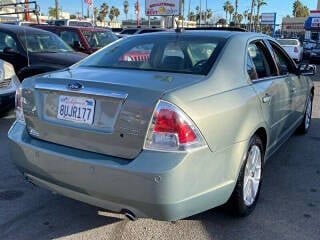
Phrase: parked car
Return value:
(82, 39)
(293, 47)
(315, 54)
(308, 45)
(133, 31)
(165, 137)
(33, 51)
(8, 85)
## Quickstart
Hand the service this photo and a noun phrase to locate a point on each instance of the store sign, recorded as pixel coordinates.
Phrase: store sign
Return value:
(268, 18)
(163, 7)
(315, 22)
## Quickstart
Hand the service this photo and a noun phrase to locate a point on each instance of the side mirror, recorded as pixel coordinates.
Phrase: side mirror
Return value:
(10, 50)
(307, 69)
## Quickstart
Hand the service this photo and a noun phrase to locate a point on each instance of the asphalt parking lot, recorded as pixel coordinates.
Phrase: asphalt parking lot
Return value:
(289, 206)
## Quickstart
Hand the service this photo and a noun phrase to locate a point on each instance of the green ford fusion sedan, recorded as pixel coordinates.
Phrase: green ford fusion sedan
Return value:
(163, 125)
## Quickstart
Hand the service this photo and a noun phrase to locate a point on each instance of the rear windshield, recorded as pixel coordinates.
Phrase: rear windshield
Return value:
(167, 53)
(288, 42)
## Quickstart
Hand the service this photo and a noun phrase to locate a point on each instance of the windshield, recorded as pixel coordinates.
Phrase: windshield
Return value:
(42, 43)
(288, 42)
(99, 39)
(167, 53)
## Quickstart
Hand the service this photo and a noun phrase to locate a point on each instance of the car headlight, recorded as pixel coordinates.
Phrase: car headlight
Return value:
(6, 71)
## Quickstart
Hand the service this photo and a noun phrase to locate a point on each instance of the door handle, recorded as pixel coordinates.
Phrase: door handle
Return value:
(294, 90)
(267, 98)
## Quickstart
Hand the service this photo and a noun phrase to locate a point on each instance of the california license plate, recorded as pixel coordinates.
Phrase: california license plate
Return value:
(76, 109)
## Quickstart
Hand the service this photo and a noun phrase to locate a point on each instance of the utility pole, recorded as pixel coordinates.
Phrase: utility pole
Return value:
(82, 11)
(57, 8)
(205, 13)
(200, 12)
(189, 10)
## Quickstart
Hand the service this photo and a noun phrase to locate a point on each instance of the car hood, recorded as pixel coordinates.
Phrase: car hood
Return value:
(62, 59)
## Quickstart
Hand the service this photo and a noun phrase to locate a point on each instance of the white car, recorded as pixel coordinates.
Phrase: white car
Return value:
(8, 84)
(293, 47)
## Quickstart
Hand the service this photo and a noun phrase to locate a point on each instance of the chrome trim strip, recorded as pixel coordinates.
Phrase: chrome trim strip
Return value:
(86, 90)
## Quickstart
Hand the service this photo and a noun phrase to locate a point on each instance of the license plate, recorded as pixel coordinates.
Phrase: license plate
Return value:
(76, 109)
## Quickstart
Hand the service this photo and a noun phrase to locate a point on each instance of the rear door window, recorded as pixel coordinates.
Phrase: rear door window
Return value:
(262, 60)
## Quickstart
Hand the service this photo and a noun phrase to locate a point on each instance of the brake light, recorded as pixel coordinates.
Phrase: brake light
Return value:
(296, 50)
(172, 130)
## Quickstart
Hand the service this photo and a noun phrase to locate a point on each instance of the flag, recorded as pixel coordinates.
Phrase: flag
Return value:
(89, 2)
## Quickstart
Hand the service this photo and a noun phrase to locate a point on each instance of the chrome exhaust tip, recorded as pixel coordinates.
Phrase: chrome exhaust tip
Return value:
(129, 215)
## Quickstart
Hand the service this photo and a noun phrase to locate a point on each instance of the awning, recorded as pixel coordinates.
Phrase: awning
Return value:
(312, 24)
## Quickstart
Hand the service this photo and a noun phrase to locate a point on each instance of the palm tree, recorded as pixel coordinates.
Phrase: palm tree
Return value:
(239, 18)
(112, 13)
(209, 14)
(116, 13)
(253, 3)
(231, 11)
(126, 8)
(192, 16)
(226, 7)
(260, 3)
(104, 10)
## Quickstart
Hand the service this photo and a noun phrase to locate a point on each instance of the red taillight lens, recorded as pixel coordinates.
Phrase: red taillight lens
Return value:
(296, 49)
(171, 129)
(168, 121)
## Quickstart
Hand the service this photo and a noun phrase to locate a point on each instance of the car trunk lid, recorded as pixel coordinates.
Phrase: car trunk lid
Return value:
(122, 102)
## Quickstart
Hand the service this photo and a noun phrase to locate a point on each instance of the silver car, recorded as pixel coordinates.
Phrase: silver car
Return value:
(163, 125)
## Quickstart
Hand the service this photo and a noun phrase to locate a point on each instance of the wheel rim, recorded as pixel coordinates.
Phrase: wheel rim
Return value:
(308, 114)
(252, 176)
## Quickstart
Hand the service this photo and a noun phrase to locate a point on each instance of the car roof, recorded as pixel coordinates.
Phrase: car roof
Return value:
(208, 33)
(16, 29)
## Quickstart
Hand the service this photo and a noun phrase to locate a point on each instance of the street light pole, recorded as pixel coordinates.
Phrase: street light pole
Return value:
(82, 9)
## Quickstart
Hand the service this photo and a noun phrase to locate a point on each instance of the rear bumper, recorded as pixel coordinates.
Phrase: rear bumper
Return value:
(164, 186)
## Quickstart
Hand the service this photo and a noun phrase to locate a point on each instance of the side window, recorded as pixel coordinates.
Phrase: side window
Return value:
(284, 63)
(7, 42)
(69, 37)
(260, 58)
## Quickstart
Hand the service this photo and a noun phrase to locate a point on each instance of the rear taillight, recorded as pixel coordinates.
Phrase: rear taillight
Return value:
(19, 105)
(172, 130)
(296, 49)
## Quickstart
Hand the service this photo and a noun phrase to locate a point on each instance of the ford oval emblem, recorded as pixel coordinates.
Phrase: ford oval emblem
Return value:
(75, 86)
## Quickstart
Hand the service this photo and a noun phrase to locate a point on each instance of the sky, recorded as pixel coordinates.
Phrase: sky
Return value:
(282, 7)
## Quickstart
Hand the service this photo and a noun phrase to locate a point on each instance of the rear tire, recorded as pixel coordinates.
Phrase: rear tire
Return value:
(306, 123)
(246, 193)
